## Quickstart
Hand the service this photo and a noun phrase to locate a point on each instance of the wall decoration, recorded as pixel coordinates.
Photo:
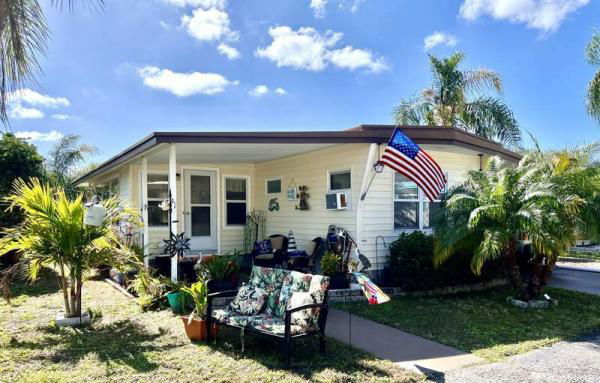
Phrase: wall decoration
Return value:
(274, 204)
(292, 191)
(303, 196)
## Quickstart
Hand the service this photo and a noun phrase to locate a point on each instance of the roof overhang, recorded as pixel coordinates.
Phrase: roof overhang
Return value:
(377, 134)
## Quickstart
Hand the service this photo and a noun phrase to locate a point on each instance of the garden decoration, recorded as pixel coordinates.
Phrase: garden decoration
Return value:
(94, 212)
(292, 191)
(274, 204)
(177, 245)
(303, 197)
(291, 241)
(374, 294)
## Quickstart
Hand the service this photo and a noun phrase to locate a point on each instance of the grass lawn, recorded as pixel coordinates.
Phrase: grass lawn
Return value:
(593, 255)
(482, 323)
(126, 345)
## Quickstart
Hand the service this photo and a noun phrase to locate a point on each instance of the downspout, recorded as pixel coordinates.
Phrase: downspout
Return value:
(363, 190)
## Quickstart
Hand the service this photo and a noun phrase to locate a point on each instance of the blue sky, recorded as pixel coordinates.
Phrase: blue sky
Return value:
(157, 65)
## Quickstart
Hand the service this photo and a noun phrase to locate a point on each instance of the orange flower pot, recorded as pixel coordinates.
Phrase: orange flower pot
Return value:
(196, 330)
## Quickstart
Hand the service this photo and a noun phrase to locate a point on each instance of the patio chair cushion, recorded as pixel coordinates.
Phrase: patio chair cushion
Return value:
(302, 318)
(265, 257)
(263, 322)
(318, 287)
(277, 242)
(292, 282)
(271, 281)
(249, 300)
(263, 247)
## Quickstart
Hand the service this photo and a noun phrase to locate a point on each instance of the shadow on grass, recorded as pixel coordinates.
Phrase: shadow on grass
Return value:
(123, 342)
(46, 283)
(306, 360)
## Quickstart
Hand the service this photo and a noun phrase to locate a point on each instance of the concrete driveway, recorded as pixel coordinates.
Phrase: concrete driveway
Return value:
(584, 281)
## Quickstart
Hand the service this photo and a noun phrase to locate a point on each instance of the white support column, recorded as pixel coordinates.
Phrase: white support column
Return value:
(173, 189)
(144, 208)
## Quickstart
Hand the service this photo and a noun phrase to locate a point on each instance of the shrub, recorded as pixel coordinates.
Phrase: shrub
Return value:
(411, 265)
(330, 263)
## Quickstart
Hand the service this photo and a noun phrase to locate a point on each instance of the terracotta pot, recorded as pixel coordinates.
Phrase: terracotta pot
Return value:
(196, 330)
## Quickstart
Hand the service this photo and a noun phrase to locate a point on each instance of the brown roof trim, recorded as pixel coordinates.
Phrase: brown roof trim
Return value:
(378, 134)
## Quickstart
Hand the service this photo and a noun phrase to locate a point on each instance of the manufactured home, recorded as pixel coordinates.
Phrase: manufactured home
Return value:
(216, 178)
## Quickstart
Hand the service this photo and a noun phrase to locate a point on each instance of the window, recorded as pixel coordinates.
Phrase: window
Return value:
(236, 196)
(108, 189)
(274, 186)
(340, 180)
(412, 209)
(158, 191)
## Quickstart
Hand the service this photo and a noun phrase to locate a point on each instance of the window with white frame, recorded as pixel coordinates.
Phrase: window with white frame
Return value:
(340, 180)
(274, 186)
(412, 209)
(108, 189)
(236, 201)
(158, 191)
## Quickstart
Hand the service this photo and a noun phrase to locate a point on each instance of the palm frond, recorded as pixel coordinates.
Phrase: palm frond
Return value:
(592, 50)
(413, 111)
(593, 97)
(491, 118)
(481, 80)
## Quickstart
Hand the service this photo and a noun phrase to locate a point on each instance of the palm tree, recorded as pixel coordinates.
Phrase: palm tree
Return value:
(64, 161)
(53, 234)
(496, 208)
(23, 37)
(458, 98)
(592, 53)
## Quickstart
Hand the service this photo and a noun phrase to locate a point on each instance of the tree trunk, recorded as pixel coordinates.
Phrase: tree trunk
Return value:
(76, 285)
(63, 286)
(513, 271)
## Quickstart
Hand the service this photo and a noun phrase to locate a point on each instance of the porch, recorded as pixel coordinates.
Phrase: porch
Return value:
(213, 188)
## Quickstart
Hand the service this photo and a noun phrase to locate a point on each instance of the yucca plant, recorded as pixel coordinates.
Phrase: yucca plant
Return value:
(53, 234)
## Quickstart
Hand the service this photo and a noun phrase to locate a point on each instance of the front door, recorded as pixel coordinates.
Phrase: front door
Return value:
(201, 209)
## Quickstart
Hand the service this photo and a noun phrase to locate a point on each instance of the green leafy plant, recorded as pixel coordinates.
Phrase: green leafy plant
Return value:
(330, 263)
(220, 267)
(198, 292)
(149, 289)
(53, 235)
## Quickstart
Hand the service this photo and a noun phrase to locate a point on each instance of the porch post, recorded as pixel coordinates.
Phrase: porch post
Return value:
(173, 189)
(144, 208)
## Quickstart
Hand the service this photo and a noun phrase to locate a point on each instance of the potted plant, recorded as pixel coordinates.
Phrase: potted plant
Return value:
(175, 296)
(54, 234)
(221, 272)
(195, 323)
(331, 267)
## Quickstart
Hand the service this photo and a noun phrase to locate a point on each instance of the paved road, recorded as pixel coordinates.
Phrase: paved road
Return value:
(566, 362)
(585, 281)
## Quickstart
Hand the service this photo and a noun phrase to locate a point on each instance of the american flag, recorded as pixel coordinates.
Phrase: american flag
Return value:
(408, 159)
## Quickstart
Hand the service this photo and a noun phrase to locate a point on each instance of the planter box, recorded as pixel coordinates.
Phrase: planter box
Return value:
(84, 320)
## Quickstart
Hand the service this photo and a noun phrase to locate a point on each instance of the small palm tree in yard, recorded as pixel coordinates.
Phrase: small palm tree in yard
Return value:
(546, 199)
(459, 98)
(53, 234)
(592, 54)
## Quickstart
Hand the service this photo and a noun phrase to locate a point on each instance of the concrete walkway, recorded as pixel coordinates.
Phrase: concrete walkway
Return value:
(407, 350)
(584, 281)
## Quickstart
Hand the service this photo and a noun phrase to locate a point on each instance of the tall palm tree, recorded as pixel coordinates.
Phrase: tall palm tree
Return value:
(23, 37)
(547, 199)
(592, 53)
(459, 98)
(64, 161)
(53, 234)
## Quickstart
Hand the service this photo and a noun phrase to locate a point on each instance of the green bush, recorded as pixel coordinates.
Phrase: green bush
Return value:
(411, 265)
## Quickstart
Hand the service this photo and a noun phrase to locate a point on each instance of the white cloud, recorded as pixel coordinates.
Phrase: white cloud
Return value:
(439, 38)
(308, 49)
(229, 51)
(259, 91)
(545, 15)
(20, 112)
(318, 7)
(165, 26)
(63, 117)
(27, 104)
(209, 25)
(281, 91)
(184, 84)
(33, 98)
(206, 4)
(33, 135)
